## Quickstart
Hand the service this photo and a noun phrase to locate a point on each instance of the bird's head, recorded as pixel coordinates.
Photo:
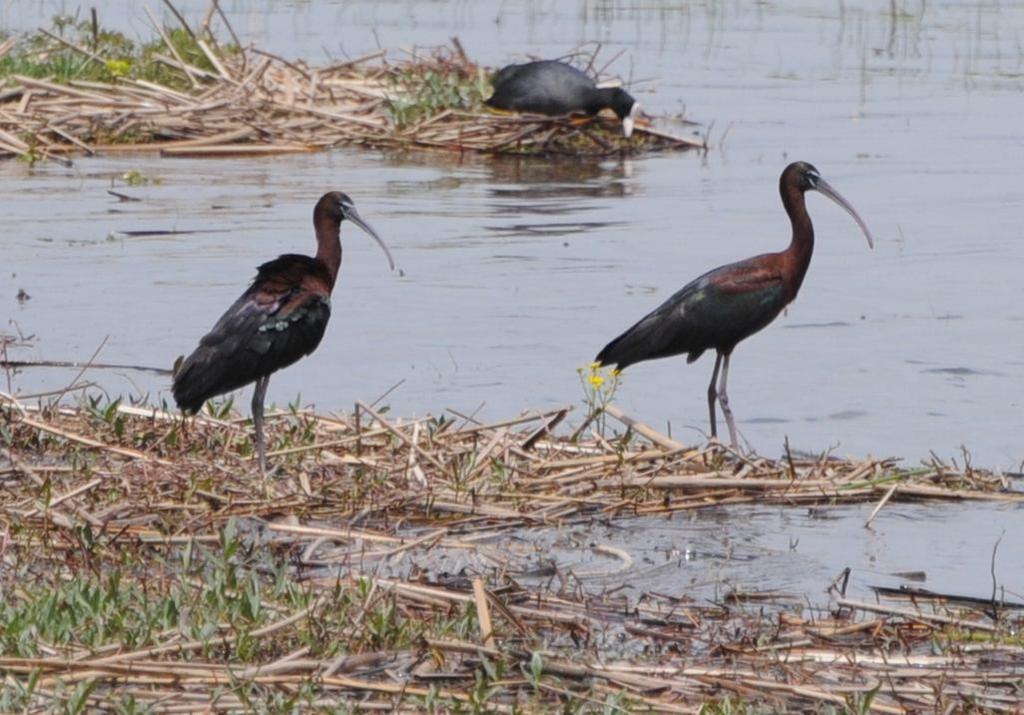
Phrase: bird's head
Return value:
(626, 109)
(340, 207)
(803, 176)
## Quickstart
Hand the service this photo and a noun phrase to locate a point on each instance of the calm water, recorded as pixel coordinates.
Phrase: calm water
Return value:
(714, 552)
(518, 272)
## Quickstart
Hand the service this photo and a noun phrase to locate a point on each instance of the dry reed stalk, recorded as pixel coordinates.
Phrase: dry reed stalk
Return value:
(916, 615)
(158, 487)
(483, 613)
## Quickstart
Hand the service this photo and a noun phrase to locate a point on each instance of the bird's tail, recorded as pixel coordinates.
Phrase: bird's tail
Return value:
(648, 339)
(615, 353)
(200, 377)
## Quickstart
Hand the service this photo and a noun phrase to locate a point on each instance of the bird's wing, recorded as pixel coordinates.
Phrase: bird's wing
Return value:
(286, 292)
(735, 303)
(667, 330)
(255, 319)
(716, 310)
(273, 324)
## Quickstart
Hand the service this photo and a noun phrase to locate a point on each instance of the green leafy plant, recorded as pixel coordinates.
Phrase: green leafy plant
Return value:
(81, 50)
(428, 89)
(599, 387)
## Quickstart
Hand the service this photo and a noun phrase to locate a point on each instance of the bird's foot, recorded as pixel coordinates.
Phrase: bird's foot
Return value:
(269, 472)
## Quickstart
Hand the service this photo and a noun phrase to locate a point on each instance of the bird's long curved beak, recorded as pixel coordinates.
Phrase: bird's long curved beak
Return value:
(352, 215)
(826, 189)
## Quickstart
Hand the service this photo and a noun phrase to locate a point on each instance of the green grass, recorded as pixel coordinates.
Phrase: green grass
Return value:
(201, 593)
(422, 91)
(41, 56)
(118, 596)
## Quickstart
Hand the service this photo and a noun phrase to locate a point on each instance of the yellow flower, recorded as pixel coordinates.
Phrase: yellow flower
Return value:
(595, 366)
(596, 380)
(118, 68)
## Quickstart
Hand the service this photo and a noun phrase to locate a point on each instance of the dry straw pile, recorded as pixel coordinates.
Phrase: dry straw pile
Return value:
(83, 89)
(143, 563)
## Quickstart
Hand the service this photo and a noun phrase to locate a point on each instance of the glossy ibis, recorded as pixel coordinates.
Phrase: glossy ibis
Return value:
(732, 302)
(279, 319)
(553, 88)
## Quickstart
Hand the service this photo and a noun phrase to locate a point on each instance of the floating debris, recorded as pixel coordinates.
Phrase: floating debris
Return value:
(81, 89)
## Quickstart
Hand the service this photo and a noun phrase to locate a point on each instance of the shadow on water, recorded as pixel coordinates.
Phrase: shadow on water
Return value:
(520, 182)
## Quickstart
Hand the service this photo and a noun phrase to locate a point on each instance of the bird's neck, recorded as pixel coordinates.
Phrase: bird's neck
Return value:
(328, 245)
(608, 97)
(798, 254)
(602, 98)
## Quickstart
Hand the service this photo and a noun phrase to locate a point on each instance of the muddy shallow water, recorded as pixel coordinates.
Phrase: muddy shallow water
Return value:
(784, 555)
(799, 553)
(517, 272)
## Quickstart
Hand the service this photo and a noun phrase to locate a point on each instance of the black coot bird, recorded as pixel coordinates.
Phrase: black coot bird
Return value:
(732, 302)
(279, 319)
(553, 88)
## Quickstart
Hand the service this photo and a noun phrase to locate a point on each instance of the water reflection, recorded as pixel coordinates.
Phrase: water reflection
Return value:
(552, 229)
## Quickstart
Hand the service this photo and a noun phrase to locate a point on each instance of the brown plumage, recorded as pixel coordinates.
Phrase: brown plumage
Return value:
(279, 319)
(730, 303)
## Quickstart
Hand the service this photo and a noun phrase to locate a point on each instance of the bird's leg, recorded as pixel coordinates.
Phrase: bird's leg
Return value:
(257, 420)
(712, 394)
(723, 400)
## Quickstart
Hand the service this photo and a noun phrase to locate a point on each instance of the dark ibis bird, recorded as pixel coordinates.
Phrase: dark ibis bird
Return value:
(279, 319)
(553, 88)
(732, 302)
